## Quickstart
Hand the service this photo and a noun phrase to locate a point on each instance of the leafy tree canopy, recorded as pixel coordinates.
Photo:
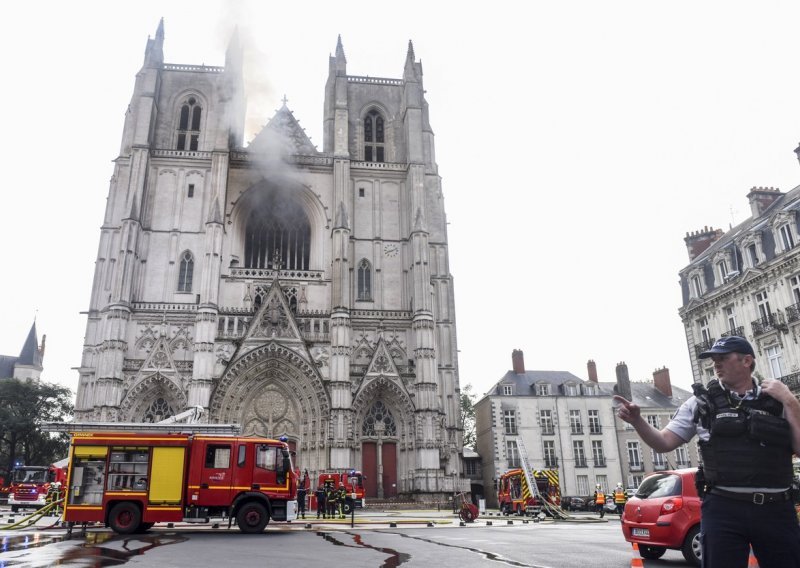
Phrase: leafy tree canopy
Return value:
(24, 405)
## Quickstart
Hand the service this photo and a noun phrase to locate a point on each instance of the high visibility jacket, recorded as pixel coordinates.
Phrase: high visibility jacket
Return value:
(619, 496)
(599, 498)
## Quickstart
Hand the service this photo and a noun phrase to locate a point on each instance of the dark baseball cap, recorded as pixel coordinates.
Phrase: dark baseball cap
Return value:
(730, 344)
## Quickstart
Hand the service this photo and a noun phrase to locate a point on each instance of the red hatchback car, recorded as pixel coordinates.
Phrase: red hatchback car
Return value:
(665, 513)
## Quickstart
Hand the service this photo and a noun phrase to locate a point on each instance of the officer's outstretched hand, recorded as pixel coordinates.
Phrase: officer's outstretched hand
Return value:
(627, 411)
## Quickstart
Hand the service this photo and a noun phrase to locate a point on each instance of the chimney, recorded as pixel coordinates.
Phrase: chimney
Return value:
(661, 381)
(699, 241)
(518, 361)
(592, 368)
(761, 198)
(623, 387)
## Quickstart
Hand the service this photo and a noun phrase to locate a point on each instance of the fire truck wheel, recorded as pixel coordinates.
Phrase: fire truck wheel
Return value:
(124, 518)
(252, 517)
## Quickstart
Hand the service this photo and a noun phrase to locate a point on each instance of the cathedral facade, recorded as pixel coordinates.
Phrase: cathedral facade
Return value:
(293, 291)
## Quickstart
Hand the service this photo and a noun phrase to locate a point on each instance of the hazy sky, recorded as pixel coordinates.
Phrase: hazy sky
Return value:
(578, 142)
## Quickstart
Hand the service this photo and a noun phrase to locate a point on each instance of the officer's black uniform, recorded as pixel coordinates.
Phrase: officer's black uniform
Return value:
(320, 495)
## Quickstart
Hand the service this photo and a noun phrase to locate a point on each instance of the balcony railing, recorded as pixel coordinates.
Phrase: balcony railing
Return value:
(792, 381)
(595, 429)
(704, 346)
(548, 430)
(576, 430)
(551, 463)
(733, 331)
(793, 313)
(581, 462)
(766, 324)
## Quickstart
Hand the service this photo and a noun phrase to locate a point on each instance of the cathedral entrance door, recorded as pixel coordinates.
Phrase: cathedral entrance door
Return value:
(380, 474)
(369, 466)
(389, 462)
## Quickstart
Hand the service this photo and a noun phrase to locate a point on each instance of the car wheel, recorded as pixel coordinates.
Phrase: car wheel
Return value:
(651, 552)
(124, 518)
(691, 546)
(252, 517)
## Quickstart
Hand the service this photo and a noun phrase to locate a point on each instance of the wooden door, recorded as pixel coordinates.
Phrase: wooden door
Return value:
(369, 467)
(389, 458)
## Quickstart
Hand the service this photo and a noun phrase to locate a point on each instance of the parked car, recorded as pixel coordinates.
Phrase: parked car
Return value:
(573, 503)
(665, 513)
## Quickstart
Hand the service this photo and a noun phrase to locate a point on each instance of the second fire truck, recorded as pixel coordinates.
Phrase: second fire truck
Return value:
(514, 495)
(130, 480)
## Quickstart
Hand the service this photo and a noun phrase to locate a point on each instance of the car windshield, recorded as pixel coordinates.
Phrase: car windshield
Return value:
(662, 485)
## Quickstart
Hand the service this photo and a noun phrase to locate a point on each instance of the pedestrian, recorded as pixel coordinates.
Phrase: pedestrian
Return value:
(747, 433)
(302, 491)
(320, 495)
(600, 501)
(620, 498)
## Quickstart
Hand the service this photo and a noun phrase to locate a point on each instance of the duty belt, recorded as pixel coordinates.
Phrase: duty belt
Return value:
(756, 498)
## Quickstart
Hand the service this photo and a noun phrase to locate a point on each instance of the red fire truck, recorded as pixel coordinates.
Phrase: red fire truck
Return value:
(131, 480)
(514, 495)
(353, 482)
(30, 484)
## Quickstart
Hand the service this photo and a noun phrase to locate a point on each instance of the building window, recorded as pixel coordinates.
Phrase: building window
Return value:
(510, 422)
(794, 282)
(582, 484)
(512, 454)
(602, 481)
(364, 281)
(752, 255)
(578, 453)
(659, 461)
(374, 148)
(681, 456)
(634, 455)
(189, 125)
(550, 459)
(543, 389)
(277, 235)
(379, 414)
(597, 453)
(594, 422)
(575, 425)
(786, 237)
(190, 191)
(697, 289)
(635, 480)
(775, 360)
(158, 410)
(546, 421)
(722, 270)
(589, 390)
(571, 389)
(652, 419)
(508, 390)
(186, 272)
(762, 302)
(731, 315)
(705, 331)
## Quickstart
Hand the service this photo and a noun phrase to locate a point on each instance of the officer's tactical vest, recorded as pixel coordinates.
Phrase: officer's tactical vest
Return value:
(750, 443)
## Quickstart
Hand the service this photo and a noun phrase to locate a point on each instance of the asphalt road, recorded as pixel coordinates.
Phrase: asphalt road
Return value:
(371, 543)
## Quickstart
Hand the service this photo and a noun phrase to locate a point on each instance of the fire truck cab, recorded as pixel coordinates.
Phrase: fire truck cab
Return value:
(30, 485)
(353, 481)
(131, 480)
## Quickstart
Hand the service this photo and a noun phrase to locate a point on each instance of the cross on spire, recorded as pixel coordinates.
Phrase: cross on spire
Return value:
(284, 100)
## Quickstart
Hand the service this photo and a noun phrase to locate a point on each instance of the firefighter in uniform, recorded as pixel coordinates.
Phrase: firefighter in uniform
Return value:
(341, 499)
(600, 501)
(302, 491)
(747, 433)
(620, 498)
(330, 499)
(320, 495)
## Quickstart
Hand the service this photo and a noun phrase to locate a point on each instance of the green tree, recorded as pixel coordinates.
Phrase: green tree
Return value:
(468, 416)
(24, 405)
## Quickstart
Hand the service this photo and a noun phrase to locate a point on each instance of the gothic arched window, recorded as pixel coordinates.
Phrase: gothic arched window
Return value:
(277, 236)
(364, 281)
(374, 150)
(186, 272)
(379, 414)
(189, 125)
(158, 410)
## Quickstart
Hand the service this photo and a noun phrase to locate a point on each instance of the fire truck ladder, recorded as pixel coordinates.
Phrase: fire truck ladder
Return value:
(555, 511)
(174, 428)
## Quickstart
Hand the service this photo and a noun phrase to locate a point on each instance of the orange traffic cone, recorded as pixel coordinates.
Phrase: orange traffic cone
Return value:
(636, 561)
(752, 562)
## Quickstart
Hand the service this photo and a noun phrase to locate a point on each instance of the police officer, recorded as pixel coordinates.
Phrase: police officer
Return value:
(600, 501)
(747, 433)
(320, 495)
(620, 498)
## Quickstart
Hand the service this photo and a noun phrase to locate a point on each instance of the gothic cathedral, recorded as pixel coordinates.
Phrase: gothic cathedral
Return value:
(292, 291)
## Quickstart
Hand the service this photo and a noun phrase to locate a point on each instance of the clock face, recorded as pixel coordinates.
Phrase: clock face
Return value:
(391, 250)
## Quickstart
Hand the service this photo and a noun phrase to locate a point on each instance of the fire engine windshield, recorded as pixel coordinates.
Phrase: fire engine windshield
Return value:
(30, 476)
